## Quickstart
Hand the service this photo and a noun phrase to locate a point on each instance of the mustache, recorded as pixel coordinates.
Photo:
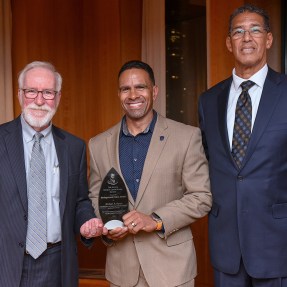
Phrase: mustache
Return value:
(45, 107)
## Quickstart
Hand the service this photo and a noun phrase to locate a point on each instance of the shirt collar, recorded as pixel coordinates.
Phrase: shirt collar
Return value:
(258, 78)
(29, 132)
(149, 128)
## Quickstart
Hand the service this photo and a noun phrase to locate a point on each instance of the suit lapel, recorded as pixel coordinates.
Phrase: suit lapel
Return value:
(63, 159)
(112, 144)
(222, 116)
(15, 149)
(268, 102)
(158, 141)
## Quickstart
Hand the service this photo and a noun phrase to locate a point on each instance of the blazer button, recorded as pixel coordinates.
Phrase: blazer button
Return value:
(21, 244)
(240, 177)
(25, 217)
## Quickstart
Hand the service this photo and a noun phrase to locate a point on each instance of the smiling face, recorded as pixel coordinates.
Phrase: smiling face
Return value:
(39, 112)
(137, 94)
(250, 52)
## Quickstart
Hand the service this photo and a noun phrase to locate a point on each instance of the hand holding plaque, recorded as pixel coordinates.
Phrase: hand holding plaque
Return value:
(113, 200)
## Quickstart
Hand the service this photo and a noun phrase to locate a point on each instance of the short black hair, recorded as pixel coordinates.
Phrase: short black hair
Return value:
(252, 9)
(136, 64)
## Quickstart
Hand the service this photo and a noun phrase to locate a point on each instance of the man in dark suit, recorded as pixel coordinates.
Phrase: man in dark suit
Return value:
(65, 205)
(248, 220)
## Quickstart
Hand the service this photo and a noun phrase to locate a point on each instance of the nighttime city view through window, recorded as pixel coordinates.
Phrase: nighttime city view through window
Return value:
(185, 58)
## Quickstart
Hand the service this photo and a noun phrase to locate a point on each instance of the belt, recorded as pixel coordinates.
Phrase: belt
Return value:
(49, 246)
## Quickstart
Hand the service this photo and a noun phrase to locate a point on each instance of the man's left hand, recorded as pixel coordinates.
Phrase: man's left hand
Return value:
(137, 221)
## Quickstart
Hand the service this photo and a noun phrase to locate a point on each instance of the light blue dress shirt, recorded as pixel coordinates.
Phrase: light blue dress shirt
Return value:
(52, 176)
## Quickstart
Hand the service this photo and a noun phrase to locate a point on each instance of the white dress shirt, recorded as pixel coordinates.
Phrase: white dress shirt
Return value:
(255, 93)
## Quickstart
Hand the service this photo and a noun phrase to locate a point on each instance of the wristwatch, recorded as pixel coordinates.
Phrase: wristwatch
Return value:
(158, 221)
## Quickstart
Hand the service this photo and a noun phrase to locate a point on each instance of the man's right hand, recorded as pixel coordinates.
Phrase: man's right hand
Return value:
(117, 233)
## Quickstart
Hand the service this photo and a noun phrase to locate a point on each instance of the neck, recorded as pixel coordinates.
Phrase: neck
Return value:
(245, 72)
(137, 126)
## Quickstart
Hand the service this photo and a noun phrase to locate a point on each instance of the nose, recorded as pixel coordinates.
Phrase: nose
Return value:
(247, 35)
(39, 100)
(133, 93)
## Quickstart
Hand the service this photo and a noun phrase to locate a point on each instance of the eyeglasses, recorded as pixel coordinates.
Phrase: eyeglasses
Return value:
(33, 94)
(255, 32)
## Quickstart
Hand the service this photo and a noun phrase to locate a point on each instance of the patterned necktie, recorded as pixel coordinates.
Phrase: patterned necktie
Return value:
(36, 242)
(242, 123)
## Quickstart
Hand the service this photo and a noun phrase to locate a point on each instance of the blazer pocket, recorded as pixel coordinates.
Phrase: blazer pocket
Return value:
(279, 210)
(179, 237)
(214, 209)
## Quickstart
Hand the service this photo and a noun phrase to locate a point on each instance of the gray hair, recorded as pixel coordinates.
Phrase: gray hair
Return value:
(251, 9)
(44, 65)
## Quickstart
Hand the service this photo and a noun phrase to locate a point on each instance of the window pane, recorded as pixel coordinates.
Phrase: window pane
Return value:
(185, 58)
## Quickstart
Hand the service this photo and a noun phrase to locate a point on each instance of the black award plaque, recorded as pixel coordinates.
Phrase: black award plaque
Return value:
(113, 200)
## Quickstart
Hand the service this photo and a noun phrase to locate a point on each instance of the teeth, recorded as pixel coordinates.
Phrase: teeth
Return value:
(248, 51)
(135, 104)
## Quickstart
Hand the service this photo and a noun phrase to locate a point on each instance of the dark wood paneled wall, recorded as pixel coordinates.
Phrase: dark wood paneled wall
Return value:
(88, 41)
(219, 61)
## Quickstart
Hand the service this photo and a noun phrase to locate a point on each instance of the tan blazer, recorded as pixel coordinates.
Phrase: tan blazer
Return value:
(175, 185)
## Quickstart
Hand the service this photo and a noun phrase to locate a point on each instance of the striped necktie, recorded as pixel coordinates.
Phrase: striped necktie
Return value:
(36, 241)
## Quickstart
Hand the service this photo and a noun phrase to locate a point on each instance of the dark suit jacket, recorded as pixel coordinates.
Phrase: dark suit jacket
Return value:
(75, 207)
(249, 214)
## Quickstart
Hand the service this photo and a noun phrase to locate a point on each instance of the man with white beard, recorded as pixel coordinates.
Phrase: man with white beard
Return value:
(43, 189)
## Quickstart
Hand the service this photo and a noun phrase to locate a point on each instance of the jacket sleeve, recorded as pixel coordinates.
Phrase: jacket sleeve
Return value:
(196, 200)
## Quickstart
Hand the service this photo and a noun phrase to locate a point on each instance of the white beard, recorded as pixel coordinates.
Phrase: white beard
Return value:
(36, 122)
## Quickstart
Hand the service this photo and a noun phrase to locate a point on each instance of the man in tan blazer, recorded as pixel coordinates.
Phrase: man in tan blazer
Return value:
(163, 165)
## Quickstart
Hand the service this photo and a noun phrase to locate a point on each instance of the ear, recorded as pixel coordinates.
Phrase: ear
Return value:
(269, 40)
(58, 98)
(20, 97)
(228, 44)
(155, 92)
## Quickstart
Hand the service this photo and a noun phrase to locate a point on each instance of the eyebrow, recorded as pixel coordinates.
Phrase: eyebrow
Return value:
(135, 86)
(250, 26)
